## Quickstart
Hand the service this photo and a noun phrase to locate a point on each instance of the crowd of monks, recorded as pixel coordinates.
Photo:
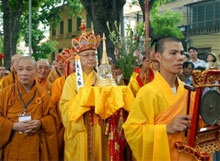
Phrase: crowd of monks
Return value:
(39, 119)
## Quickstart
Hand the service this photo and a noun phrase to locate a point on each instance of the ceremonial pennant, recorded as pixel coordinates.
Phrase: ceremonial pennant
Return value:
(79, 73)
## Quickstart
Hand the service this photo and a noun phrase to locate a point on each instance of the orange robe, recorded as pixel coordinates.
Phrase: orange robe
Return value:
(45, 84)
(56, 89)
(56, 92)
(53, 75)
(9, 79)
(1, 80)
(42, 145)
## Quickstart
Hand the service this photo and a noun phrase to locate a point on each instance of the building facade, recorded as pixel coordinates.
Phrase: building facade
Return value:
(201, 23)
(67, 29)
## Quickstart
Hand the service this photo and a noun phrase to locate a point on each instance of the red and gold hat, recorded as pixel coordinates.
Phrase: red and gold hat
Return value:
(86, 41)
(66, 55)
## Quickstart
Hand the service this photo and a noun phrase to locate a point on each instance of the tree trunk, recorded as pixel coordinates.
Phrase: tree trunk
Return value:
(102, 11)
(34, 53)
(11, 29)
(7, 33)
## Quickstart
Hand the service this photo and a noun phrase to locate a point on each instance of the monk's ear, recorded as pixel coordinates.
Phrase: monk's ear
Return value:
(158, 56)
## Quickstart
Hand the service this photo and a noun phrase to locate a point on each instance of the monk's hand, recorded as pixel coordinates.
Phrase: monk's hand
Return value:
(34, 125)
(21, 126)
(179, 124)
(144, 67)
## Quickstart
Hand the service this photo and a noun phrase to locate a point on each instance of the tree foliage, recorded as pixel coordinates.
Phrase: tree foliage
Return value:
(48, 14)
(165, 24)
(162, 24)
(1, 44)
(12, 11)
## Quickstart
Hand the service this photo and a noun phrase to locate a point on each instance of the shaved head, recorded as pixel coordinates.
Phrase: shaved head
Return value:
(2, 71)
(44, 62)
(26, 58)
(16, 57)
(14, 61)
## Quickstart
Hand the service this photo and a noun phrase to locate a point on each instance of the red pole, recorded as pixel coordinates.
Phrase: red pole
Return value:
(147, 38)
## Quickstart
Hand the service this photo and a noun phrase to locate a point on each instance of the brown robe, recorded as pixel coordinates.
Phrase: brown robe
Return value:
(45, 84)
(9, 79)
(42, 145)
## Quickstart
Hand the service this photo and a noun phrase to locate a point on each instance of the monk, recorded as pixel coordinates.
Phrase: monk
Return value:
(84, 138)
(58, 84)
(56, 89)
(27, 118)
(12, 77)
(57, 72)
(158, 117)
(140, 77)
(43, 70)
(53, 65)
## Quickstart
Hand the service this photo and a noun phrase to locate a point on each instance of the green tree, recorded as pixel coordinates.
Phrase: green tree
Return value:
(1, 44)
(12, 11)
(47, 14)
(162, 24)
(165, 24)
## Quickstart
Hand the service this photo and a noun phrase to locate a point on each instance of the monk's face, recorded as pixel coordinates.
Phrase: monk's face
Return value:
(171, 59)
(59, 64)
(53, 64)
(26, 72)
(43, 69)
(2, 71)
(88, 59)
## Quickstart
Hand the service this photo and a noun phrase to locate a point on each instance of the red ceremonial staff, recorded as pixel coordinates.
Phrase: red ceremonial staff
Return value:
(147, 37)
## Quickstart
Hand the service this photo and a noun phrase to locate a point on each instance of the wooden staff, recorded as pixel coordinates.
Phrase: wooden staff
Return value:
(147, 37)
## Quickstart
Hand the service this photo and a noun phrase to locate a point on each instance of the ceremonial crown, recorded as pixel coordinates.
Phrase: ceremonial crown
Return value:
(66, 55)
(86, 41)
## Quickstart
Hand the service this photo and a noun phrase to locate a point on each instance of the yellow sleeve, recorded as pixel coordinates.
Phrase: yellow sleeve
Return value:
(147, 140)
(75, 132)
(133, 84)
(70, 113)
(67, 98)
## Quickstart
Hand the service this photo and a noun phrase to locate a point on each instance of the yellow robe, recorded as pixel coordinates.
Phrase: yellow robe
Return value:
(136, 83)
(42, 145)
(76, 137)
(53, 75)
(145, 129)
